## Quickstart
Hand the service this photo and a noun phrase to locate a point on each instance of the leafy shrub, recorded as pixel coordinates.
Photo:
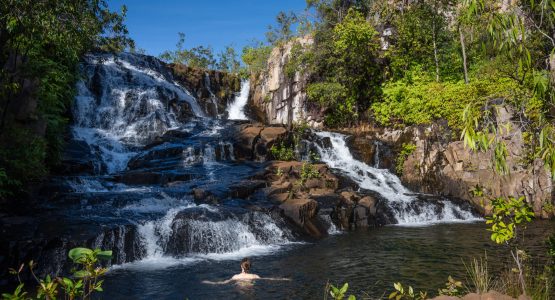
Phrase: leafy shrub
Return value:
(421, 100)
(256, 58)
(401, 293)
(452, 287)
(85, 283)
(339, 293)
(406, 150)
(308, 171)
(282, 152)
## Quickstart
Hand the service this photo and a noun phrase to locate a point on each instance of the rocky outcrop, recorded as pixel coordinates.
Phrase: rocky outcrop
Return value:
(277, 99)
(309, 202)
(439, 165)
(212, 89)
(253, 141)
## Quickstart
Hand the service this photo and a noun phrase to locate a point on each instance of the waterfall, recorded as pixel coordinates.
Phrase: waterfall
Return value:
(213, 98)
(407, 207)
(124, 101)
(202, 231)
(377, 145)
(236, 108)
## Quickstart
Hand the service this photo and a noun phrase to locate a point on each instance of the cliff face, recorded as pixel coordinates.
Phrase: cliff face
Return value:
(277, 99)
(438, 165)
(213, 89)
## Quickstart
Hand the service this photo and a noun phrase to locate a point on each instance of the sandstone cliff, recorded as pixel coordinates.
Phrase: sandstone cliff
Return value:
(439, 165)
(277, 99)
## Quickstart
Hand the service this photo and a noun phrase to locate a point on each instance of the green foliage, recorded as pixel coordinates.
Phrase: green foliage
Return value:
(452, 288)
(339, 293)
(296, 59)
(283, 32)
(401, 293)
(418, 99)
(481, 281)
(550, 242)
(86, 283)
(41, 44)
(327, 93)
(282, 152)
(228, 60)
(256, 57)
(24, 159)
(477, 191)
(406, 150)
(308, 171)
(417, 29)
(197, 57)
(344, 69)
(507, 215)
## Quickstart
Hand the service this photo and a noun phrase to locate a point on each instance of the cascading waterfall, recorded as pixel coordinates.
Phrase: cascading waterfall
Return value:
(408, 208)
(195, 235)
(126, 102)
(236, 109)
(377, 144)
(123, 102)
(213, 98)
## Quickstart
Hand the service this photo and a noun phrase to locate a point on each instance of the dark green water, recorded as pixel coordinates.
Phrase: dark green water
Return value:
(371, 261)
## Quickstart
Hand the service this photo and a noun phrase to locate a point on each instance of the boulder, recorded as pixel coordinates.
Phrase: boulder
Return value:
(253, 142)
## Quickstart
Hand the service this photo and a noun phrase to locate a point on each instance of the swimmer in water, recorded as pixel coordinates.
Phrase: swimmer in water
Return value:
(245, 269)
(245, 277)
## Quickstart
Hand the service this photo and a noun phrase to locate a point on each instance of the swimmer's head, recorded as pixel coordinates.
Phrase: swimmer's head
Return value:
(245, 265)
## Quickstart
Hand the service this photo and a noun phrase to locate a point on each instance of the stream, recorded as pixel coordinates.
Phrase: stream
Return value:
(142, 147)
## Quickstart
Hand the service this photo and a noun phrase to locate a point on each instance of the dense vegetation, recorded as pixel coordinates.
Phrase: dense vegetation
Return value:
(41, 42)
(401, 63)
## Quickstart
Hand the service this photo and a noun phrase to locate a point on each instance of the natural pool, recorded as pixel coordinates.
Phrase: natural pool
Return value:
(370, 260)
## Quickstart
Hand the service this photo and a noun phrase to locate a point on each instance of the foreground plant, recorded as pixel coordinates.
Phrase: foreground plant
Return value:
(507, 215)
(339, 293)
(85, 281)
(401, 293)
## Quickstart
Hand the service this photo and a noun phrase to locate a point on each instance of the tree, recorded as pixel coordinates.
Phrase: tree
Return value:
(256, 57)
(283, 32)
(196, 57)
(344, 64)
(421, 37)
(228, 61)
(41, 42)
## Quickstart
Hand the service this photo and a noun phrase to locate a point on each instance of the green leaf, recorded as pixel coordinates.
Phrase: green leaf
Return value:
(82, 274)
(107, 254)
(78, 255)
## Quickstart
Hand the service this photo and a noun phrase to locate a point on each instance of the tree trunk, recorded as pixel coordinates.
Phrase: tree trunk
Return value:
(435, 50)
(463, 47)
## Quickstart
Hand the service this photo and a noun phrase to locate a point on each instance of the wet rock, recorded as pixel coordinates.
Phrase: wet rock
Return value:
(79, 158)
(253, 142)
(303, 212)
(213, 89)
(141, 177)
(246, 188)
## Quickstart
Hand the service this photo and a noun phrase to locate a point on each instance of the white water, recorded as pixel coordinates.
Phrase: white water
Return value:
(236, 108)
(230, 238)
(408, 210)
(122, 102)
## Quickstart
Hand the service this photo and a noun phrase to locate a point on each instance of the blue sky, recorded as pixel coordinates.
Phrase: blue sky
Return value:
(154, 24)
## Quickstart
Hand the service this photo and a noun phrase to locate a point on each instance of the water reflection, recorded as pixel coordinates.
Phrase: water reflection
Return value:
(371, 261)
